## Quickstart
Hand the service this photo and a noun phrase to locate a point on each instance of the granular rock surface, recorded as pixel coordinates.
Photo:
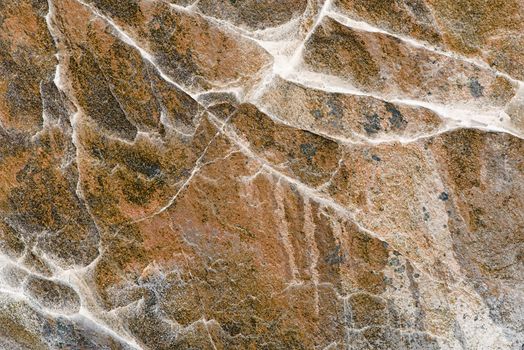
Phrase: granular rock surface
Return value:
(262, 174)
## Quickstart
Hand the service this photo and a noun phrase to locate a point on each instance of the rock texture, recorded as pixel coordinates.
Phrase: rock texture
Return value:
(241, 174)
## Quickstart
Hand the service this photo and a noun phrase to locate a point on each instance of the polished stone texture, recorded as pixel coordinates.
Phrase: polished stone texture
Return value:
(262, 174)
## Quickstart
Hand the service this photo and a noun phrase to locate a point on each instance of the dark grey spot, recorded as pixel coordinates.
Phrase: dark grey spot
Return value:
(308, 150)
(443, 196)
(232, 328)
(475, 88)
(97, 152)
(316, 113)
(143, 166)
(335, 257)
(396, 120)
(334, 108)
(372, 124)
(400, 269)
(375, 157)
(394, 262)
(419, 9)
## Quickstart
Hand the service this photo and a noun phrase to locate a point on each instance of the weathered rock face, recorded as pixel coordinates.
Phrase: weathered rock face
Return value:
(340, 174)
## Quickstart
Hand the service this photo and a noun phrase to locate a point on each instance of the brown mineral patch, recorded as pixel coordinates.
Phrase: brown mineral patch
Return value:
(254, 14)
(412, 17)
(27, 59)
(377, 182)
(307, 156)
(203, 50)
(127, 75)
(43, 201)
(365, 264)
(466, 25)
(70, 20)
(52, 295)
(10, 240)
(463, 151)
(379, 63)
(198, 53)
(97, 98)
(488, 31)
(182, 112)
(126, 11)
(293, 207)
(350, 58)
(132, 178)
(506, 53)
(215, 253)
(481, 158)
(346, 116)
(331, 254)
(8, 178)
(123, 258)
(367, 310)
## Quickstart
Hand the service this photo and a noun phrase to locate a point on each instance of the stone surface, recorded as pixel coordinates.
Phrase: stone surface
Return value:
(340, 174)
